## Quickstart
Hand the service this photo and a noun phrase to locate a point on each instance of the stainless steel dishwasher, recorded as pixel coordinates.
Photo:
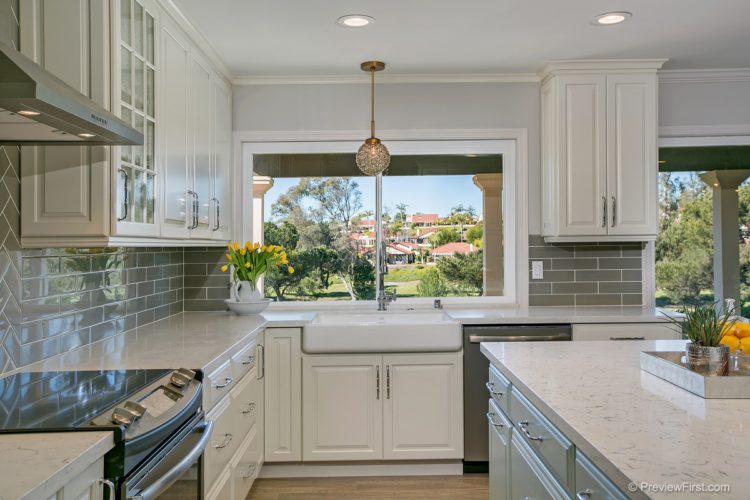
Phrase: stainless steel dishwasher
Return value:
(476, 367)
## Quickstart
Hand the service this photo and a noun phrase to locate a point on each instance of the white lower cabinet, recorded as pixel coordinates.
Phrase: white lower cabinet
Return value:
(625, 331)
(283, 401)
(393, 407)
(342, 402)
(234, 454)
(85, 486)
(423, 407)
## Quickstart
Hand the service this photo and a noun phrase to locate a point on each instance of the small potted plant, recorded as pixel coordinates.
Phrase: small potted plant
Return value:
(705, 326)
(247, 265)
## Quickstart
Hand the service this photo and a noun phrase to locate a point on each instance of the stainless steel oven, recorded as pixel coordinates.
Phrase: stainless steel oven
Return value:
(175, 470)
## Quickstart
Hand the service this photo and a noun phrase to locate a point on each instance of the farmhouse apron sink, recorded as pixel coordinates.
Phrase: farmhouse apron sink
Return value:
(386, 331)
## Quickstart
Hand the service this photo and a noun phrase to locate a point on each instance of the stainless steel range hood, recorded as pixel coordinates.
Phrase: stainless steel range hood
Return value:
(36, 107)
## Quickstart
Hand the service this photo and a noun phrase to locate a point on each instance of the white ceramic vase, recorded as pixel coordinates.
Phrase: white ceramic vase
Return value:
(246, 291)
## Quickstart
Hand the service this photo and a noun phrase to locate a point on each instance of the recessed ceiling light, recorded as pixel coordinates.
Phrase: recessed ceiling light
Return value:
(609, 18)
(86, 135)
(354, 21)
(28, 112)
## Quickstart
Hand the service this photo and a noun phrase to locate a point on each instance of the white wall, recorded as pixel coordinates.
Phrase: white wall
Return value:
(398, 107)
(704, 103)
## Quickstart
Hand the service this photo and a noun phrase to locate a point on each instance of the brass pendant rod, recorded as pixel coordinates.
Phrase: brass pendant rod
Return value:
(372, 103)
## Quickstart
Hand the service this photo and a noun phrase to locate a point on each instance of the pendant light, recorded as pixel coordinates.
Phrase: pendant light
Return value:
(373, 157)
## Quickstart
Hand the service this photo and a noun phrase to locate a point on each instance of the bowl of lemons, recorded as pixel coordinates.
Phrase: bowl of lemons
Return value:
(737, 338)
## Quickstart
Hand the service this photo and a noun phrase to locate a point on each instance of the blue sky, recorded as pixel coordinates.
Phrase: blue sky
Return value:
(425, 194)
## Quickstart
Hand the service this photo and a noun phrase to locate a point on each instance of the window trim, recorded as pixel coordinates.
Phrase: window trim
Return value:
(511, 143)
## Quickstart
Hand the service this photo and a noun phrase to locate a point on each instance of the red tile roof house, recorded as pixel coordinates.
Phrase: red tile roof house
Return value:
(452, 248)
(423, 220)
(399, 253)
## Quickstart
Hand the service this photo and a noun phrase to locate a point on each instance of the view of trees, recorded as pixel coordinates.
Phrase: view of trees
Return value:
(684, 246)
(318, 221)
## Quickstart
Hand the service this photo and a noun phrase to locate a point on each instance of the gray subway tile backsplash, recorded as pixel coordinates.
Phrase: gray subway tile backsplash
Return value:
(586, 274)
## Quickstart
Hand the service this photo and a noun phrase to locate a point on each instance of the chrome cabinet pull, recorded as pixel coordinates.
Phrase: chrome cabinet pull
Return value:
(250, 472)
(227, 439)
(627, 338)
(522, 426)
(492, 422)
(388, 382)
(227, 381)
(604, 215)
(377, 381)
(217, 224)
(196, 209)
(614, 210)
(249, 361)
(584, 495)
(106, 483)
(192, 195)
(250, 409)
(125, 194)
(491, 388)
(261, 356)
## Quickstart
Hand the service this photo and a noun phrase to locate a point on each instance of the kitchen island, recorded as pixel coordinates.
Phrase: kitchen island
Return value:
(648, 437)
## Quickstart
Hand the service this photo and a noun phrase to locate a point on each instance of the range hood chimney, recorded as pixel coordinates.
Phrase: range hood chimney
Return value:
(37, 108)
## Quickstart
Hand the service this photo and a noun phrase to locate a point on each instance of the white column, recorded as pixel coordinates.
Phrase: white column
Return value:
(261, 185)
(726, 231)
(491, 186)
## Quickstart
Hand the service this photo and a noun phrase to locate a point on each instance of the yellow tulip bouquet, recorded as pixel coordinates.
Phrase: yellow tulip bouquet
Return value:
(249, 263)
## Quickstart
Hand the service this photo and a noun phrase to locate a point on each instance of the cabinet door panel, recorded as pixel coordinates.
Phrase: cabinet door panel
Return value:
(283, 403)
(342, 407)
(65, 191)
(174, 126)
(529, 479)
(200, 127)
(499, 432)
(222, 161)
(423, 417)
(582, 177)
(631, 154)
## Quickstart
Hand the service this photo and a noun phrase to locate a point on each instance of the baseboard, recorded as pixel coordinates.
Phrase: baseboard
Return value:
(348, 469)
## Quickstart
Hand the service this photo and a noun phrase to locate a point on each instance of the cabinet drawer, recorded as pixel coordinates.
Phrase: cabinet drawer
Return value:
(498, 388)
(529, 478)
(86, 484)
(218, 384)
(542, 436)
(222, 489)
(591, 483)
(244, 361)
(625, 331)
(498, 421)
(246, 403)
(223, 443)
(247, 466)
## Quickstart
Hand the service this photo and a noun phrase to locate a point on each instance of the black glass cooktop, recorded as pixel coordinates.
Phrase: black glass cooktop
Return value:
(60, 400)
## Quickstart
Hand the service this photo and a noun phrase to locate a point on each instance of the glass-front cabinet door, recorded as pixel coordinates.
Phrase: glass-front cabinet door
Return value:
(135, 175)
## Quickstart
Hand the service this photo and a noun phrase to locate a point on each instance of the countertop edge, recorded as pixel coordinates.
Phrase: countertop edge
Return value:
(616, 475)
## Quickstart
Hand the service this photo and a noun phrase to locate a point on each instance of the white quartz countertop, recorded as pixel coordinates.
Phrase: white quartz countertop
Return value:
(528, 315)
(634, 426)
(36, 466)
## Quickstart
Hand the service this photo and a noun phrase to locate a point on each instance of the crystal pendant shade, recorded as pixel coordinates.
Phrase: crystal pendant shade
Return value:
(373, 157)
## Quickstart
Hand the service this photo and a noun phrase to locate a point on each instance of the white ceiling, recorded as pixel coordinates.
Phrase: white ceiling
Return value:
(301, 37)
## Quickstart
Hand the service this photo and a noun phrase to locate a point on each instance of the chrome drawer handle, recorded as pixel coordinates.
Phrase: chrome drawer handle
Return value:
(250, 472)
(492, 422)
(522, 425)
(491, 388)
(584, 495)
(109, 485)
(627, 338)
(125, 194)
(250, 409)
(227, 381)
(250, 360)
(227, 439)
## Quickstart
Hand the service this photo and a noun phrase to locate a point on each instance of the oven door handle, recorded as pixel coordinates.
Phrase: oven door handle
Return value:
(162, 483)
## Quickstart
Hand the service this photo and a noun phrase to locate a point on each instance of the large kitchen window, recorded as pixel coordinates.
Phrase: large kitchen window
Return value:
(442, 226)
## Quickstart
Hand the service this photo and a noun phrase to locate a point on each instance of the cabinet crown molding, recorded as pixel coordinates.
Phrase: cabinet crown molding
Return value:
(572, 66)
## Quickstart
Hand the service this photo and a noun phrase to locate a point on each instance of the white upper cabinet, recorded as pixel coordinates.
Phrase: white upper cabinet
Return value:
(599, 151)
(134, 58)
